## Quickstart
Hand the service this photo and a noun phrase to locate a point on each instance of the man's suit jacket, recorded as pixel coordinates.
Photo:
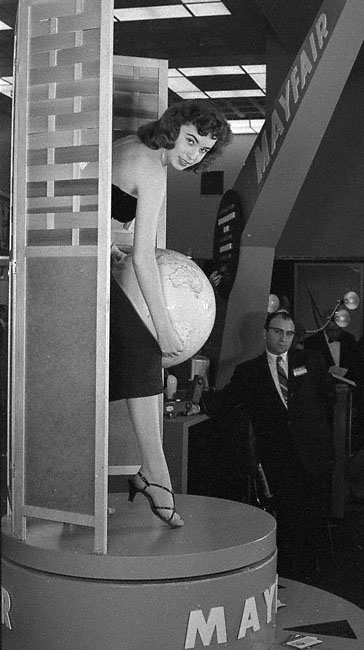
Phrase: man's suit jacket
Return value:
(348, 352)
(295, 436)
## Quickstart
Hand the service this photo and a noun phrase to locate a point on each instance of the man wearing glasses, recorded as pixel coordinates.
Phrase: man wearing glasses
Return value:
(286, 394)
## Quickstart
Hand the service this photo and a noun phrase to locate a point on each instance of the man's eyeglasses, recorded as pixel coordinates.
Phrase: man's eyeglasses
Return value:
(279, 332)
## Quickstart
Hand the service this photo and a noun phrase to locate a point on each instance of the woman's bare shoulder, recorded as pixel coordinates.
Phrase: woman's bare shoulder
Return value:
(127, 147)
(131, 150)
(135, 165)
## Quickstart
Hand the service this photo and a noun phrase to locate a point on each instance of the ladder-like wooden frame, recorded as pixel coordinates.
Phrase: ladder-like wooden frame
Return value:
(63, 67)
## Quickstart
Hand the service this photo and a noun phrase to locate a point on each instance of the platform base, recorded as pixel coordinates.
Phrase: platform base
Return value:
(209, 584)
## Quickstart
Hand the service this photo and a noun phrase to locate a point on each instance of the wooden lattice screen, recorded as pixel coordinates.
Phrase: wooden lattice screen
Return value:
(60, 261)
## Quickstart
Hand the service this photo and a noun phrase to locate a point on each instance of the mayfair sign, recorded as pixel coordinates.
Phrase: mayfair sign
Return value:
(294, 88)
(251, 619)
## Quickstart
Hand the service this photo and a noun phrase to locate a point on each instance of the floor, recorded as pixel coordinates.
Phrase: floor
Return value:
(340, 572)
(343, 575)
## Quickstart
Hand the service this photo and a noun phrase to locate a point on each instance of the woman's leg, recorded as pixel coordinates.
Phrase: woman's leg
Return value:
(145, 416)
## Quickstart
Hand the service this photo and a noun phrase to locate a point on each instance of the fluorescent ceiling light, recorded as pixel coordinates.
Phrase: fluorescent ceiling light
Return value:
(212, 70)
(151, 13)
(172, 72)
(246, 126)
(215, 94)
(188, 9)
(240, 126)
(257, 125)
(256, 69)
(6, 86)
(259, 79)
(258, 73)
(4, 25)
(196, 94)
(208, 9)
(182, 84)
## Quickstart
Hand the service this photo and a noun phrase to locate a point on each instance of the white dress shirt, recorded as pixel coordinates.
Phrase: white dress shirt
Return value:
(272, 361)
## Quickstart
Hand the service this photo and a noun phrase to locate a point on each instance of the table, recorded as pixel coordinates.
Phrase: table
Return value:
(176, 432)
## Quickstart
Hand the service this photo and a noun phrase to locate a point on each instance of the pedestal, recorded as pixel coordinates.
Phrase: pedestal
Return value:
(209, 584)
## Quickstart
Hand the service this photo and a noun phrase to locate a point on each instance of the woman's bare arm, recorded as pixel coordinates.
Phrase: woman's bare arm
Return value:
(151, 189)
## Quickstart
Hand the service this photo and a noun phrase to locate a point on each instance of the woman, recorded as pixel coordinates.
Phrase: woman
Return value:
(188, 136)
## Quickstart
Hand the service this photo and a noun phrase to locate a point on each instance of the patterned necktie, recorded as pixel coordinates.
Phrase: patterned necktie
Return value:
(283, 381)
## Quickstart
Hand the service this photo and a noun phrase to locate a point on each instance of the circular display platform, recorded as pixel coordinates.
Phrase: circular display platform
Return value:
(211, 582)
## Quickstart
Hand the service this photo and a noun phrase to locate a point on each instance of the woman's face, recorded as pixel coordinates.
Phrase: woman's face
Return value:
(190, 147)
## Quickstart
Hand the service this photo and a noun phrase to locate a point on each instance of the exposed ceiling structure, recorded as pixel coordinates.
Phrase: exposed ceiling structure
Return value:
(214, 48)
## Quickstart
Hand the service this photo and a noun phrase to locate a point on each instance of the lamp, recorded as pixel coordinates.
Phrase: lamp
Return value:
(351, 300)
(273, 303)
(340, 316)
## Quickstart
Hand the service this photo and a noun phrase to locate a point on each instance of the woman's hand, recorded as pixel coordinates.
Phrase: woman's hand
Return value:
(170, 343)
(116, 254)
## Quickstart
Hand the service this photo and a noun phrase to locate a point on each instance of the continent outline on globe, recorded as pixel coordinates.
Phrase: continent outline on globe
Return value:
(163, 257)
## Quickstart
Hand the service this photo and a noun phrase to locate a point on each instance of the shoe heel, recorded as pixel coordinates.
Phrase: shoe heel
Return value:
(132, 490)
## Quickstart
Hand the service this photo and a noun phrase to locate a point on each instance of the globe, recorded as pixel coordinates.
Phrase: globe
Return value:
(188, 294)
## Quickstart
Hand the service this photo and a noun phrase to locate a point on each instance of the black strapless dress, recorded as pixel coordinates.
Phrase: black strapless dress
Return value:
(135, 355)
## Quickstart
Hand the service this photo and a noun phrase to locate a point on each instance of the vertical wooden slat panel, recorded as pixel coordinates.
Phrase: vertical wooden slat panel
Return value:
(103, 286)
(61, 250)
(18, 277)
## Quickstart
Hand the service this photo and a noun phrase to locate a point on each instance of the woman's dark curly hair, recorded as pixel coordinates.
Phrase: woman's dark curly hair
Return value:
(203, 114)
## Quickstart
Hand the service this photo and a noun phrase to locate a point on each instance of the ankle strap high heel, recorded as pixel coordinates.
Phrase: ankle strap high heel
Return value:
(173, 520)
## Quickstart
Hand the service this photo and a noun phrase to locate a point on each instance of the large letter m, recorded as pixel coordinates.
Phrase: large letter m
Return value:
(197, 623)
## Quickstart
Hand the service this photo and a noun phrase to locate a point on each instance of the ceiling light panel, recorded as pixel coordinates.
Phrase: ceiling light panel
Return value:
(255, 69)
(151, 13)
(212, 70)
(258, 73)
(6, 86)
(214, 94)
(192, 2)
(259, 79)
(188, 9)
(246, 126)
(181, 84)
(208, 9)
(257, 125)
(172, 72)
(240, 126)
(197, 94)
(4, 25)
